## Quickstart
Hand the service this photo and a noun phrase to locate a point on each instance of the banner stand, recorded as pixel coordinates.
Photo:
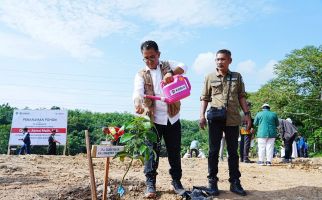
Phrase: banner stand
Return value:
(8, 152)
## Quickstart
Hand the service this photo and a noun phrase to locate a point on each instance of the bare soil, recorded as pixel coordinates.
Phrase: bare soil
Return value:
(67, 177)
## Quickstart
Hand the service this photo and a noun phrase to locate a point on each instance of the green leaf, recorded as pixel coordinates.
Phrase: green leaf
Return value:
(142, 149)
(155, 155)
(121, 154)
(126, 137)
(122, 158)
(151, 136)
(147, 155)
(141, 158)
(147, 125)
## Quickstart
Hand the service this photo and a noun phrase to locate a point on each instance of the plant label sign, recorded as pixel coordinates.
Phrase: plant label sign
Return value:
(104, 151)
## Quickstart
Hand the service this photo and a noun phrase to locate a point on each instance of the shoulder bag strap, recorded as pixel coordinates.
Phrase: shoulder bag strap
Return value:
(230, 76)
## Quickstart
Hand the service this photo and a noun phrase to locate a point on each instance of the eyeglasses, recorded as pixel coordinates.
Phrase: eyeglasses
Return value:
(151, 59)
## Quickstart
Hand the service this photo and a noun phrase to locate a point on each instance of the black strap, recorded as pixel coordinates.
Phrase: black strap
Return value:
(229, 89)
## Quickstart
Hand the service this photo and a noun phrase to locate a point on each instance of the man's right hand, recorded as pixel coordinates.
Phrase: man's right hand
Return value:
(139, 109)
(202, 122)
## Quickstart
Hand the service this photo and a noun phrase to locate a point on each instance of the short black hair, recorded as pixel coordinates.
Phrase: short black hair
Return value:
(224, 51)
(149, 45)
(25, 129)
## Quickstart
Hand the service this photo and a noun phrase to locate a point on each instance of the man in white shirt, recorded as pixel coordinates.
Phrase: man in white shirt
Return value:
(165, 116)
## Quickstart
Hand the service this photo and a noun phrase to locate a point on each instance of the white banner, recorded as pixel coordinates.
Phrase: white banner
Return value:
(39, 124)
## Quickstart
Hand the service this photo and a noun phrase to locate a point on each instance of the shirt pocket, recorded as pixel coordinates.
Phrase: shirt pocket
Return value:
(234, 86)
(216, 88)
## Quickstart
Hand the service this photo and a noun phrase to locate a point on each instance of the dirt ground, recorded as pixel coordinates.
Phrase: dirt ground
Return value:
(67, 177)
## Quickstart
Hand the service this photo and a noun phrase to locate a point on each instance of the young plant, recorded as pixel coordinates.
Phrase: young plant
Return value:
(137, 133)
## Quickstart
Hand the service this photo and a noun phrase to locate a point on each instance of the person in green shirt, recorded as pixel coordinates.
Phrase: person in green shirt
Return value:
(267, 122)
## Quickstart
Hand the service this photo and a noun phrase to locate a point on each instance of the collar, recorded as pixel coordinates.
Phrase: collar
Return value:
(148, 69)
(218, 75)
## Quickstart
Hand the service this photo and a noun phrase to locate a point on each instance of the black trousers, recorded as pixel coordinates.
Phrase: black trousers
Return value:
(216, 130)
(171, 134)
(288, 147)
(244, 146)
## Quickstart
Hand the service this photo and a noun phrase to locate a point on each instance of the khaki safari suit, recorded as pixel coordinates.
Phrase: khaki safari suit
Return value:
(215, 92)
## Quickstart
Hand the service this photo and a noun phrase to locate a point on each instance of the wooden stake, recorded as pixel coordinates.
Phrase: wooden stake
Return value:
(90, 165)
(107, 166)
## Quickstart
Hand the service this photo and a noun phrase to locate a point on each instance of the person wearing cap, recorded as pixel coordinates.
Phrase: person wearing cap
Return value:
(288, 134)
(224, 90)
(52, 143)
(267, 123)
(245, 138)
(26, 142)
(194, 146)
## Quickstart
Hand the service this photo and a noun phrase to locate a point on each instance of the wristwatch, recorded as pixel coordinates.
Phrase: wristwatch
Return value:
(170, 71)
(247, 113)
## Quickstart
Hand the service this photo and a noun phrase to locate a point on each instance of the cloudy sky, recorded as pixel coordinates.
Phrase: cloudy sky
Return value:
(84, 54)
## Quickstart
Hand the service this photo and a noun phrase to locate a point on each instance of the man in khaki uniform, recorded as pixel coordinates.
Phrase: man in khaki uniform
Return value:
(218, 87)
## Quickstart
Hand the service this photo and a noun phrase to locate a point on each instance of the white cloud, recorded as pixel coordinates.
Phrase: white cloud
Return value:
(74, 26)
(69, 25)
(249, 69)
(166, 35)
(15, 46)
(197, 13)
(245, 67)
(204, 63)
(253, 75)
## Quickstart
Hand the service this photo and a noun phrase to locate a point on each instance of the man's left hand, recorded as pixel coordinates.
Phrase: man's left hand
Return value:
(168, 78)
(248, 121)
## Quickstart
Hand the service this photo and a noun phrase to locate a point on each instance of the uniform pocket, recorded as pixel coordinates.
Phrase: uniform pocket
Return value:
(216, 88)
(234, 86)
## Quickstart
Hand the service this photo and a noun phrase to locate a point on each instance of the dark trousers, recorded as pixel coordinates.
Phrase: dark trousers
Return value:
(216, 130)
(52, 149)
(244, 146)
(171, 134)
(194, 150)
(25, 149)
(288, 147)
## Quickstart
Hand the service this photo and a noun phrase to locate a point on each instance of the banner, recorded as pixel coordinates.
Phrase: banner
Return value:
(40, 123)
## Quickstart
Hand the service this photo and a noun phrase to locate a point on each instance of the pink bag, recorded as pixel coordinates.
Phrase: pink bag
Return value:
(174, 91)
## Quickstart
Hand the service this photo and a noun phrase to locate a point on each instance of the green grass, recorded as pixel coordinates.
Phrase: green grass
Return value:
(314, 155)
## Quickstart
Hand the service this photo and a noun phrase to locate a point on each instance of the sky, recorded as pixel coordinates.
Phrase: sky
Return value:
(84, 54)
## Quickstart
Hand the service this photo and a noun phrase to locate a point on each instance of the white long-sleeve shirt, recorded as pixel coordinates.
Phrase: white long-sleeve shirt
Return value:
(161, 109)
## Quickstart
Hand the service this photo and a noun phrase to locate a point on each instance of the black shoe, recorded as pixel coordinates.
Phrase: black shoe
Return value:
(177, 187)
(247, 161)
(235, 187)
(150, 191)
(213, 187)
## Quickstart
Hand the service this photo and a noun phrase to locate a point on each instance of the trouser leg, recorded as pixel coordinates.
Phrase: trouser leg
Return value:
(270, 149)
(231, 134)
(288, 143)
(261, 149)
(172, 139)
(215, 132)
(151, 166)
(241, 147)
(247, 140)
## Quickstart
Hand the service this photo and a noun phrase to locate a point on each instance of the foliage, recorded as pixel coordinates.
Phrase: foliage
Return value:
(296, 91)
(137, 134)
